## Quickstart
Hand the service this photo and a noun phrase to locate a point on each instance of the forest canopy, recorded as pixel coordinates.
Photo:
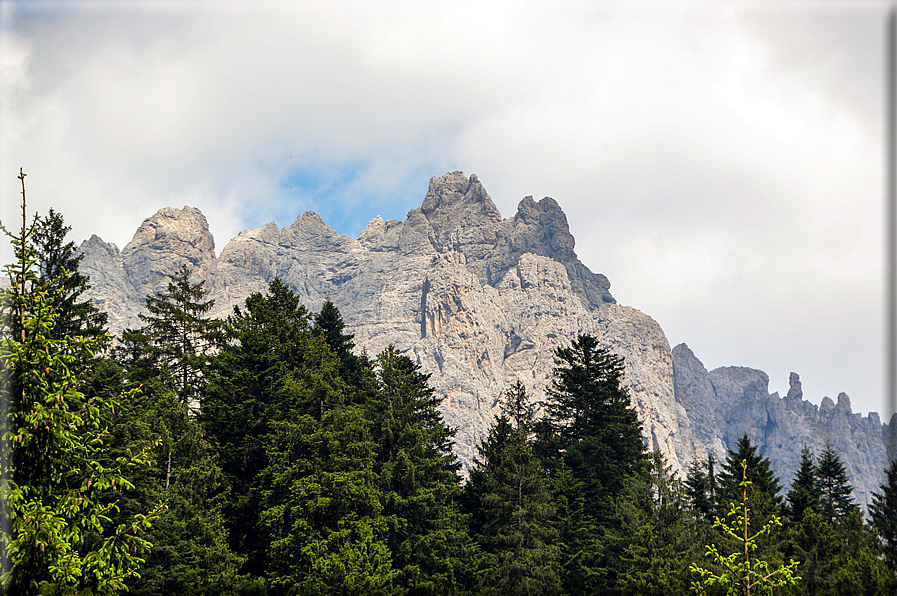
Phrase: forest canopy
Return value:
(265, 454)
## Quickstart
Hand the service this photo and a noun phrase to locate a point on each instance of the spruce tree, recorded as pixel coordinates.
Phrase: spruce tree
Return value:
(512, 507)
(805, 492)
(589, 441)
(57, 266)
(191, 554)
(650, 546)
(180, 335)
(764, 487)
(697, 489)
(835, 491)
(593, 427)
(253, 384)
(883, 512)
(307, 508)
(58, 488)
(419, 476)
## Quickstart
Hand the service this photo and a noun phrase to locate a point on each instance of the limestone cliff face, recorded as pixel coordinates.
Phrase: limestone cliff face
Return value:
(477, 300)
(727, 402)
(121, 280)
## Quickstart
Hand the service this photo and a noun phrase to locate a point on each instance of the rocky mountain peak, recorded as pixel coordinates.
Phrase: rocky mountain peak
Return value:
(844, 403)
(794, 388)
(478, 302)
(454, 190)
(164, 242)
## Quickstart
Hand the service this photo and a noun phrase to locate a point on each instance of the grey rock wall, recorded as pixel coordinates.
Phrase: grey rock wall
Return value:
(478, 301)
(727, 402)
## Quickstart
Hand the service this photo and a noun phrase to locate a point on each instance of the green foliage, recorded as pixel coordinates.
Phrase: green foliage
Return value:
(306, 507)
(589, 442)
(178, 336)
(805, 492)
(763, 492)
(191, 553)
(883, 512)
(57, 264)
(60, 488)
(649, 548)
(590, 424)
(835, 492)
(419, 479)
(743, 571)
(512, 506)
(838, 551)
(270, 369)
(329, 324)
(701, 487)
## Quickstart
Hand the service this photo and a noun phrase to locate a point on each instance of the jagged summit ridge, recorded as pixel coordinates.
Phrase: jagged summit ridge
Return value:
(477, 300)
(727, 402)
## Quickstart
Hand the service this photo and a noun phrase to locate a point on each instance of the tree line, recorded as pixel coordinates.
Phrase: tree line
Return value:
(263, 454)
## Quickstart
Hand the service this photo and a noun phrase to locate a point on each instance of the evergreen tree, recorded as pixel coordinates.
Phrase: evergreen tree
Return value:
(700, 487)
(883, 512)
(320, 512)
(260, 376)
(764, 488)
(306, 509)
(419, 477)
(191, 554)
(805, 492)
(57, 265)
(180, 336)
(57, 490)
(589, 442)
(651, 546)
(512, 506)
(329, 324)
(744, 570)
(835, 491)
(594, 428)
(837, 551)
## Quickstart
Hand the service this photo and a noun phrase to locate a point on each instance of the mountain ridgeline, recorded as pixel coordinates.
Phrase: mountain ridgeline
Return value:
(481, 302)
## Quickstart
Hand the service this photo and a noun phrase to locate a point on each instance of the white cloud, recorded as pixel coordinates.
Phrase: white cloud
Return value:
(722, 165)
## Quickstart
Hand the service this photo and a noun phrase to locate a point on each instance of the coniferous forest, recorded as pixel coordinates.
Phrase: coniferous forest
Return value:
(265, 455)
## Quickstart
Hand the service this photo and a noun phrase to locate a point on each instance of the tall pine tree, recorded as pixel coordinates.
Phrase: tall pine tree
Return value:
(181, 336)
(805, 492)
(590, 441)
(763, 494)
(420, 480)
(511, 506)
(835, 491)
(58, 489)
(883, 512)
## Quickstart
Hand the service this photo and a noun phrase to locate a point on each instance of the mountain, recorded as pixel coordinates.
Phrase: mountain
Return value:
(480, 301)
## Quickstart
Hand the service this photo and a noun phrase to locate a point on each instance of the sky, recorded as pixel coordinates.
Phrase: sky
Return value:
(722, 163)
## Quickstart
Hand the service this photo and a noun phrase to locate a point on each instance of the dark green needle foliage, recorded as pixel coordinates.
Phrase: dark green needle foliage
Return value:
(651, 546)
(884, 515)
(764, 488)
(180, 335)
(589, 441)
(306, 506)
(329, 324)
(700, 487)
(268, 371)
(835, 492)
(57, 264)
(419, 478)
(513, 509)
(167, 361)
(805, 491)
(60, 485)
